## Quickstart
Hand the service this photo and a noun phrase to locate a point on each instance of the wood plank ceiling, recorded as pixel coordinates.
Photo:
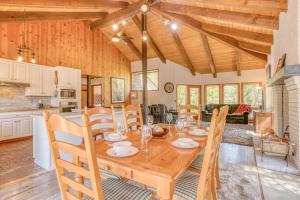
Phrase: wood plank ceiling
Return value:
(212, 36)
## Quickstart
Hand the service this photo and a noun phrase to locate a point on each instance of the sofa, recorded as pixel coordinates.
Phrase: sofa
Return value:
(232, 117)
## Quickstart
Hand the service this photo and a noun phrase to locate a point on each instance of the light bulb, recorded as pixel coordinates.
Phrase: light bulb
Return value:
(20, 58)
(124, 22)
(115, 39)
(145, 36)
(115, 26)
(33, 60)
(166, 22)
(174, 26)
(145, 8)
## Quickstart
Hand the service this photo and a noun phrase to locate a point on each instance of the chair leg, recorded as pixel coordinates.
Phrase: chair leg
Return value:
(218, 175)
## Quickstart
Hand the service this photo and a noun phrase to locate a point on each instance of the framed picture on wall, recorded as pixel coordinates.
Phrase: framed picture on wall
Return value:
(117, 90)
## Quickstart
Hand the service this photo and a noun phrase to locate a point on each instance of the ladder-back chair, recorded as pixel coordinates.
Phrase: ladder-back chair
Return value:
(132, 116)
(107, 124)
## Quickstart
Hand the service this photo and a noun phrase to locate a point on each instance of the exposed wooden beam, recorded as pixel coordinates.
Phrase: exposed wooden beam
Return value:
(6, 16)
(230, 31)
(197, 26)
(238, 63)
(183, 51)
(119, 15)
(133, 48)
(265, 22)
(259, 7)
(152, 43)
(60, 5)
(264, 49)
(209, 55)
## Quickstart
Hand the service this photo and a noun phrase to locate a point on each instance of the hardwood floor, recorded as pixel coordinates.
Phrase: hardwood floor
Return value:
(21, 179)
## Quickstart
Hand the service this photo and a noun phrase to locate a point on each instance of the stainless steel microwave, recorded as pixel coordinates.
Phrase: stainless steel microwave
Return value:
(67, 94)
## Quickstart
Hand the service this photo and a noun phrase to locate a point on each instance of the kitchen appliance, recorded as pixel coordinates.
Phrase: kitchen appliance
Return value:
(67, 106)
(66, 94)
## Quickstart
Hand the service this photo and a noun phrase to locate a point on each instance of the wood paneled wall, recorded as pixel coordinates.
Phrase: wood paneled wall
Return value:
(70, 44)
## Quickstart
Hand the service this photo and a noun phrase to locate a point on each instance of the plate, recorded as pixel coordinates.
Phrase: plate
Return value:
(132, 151)
(185, 145)
(122, 143)
(107, 138)
(198, 132)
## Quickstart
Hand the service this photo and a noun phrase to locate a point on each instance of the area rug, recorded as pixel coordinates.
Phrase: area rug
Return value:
(237, 133)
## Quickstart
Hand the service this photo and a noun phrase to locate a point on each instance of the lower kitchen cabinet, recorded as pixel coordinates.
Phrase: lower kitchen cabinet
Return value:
(15, 128)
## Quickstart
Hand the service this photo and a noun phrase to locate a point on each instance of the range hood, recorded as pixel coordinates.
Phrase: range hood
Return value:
(284, 73)
(13, 84)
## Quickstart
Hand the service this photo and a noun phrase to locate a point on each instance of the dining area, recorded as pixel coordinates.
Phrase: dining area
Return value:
(136, 160)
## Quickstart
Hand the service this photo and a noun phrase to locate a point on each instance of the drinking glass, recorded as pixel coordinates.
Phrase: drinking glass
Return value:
(120, 128)
(169, 118)
(146, 137)
(179, 125)
(149, 120)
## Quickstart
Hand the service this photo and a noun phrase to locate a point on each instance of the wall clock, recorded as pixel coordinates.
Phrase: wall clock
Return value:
(169, 87)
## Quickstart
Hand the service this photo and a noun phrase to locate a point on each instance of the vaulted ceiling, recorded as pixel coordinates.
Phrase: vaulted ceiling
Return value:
(212, 36)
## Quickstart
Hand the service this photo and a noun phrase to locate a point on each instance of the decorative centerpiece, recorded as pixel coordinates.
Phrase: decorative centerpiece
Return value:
(158, 131)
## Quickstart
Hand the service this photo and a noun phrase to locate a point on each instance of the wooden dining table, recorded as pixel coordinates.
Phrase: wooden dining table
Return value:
(160, 167)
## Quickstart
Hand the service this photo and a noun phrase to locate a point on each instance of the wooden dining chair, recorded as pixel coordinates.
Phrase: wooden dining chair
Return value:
(190, 110)
(132, 116)
(107, 124)
(190, 185)
(197, 164)
(79, 177)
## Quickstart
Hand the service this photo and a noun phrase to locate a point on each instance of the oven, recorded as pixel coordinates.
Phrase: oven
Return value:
(67, 94)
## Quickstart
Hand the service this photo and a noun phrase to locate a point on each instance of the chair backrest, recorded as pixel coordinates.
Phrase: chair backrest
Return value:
(71, 184)
(107, 124)
(190, 110)
(212, 149)
(132, 116)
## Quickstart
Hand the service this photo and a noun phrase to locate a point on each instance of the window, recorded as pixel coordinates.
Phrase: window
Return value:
(152, 80)
(188, 94)
(231, 93)
(212, 94)
(251, 94)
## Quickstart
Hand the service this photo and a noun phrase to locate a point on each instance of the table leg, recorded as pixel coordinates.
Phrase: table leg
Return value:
(165, 190)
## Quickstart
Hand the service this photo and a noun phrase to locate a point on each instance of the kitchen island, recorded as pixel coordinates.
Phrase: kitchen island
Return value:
(41, 147)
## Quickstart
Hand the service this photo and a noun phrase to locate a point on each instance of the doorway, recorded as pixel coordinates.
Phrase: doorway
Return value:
(188, 94)
(92, 91)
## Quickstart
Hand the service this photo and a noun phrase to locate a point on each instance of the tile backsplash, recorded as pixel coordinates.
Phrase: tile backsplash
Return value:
(13, 98)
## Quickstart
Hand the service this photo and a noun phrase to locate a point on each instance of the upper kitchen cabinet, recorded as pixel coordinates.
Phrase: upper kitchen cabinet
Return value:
(41, 81)
(68, 78)
(13, 71)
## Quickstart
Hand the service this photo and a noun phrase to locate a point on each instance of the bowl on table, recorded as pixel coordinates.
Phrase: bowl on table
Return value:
(158, 131)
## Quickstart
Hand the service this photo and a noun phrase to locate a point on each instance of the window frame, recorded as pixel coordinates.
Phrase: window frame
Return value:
(242, 92)
(239, 91)
(220, 92)
(150, 70)
(188, 93)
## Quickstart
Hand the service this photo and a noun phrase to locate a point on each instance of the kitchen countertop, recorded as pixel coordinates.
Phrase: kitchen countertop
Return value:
(28, 110)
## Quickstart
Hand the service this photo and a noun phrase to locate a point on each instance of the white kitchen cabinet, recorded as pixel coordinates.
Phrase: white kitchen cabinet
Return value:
(13, 71)
(25, 126)
(68, 77)
(6, 69)
(48, 81)
(21, 72)
(7, 128)
(41, 81)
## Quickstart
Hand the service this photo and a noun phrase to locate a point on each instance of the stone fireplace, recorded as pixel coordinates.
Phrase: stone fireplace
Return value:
(286, 106)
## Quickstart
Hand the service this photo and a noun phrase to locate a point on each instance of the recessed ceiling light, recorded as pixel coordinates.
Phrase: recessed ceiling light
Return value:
(174, 26)
(115, 26)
